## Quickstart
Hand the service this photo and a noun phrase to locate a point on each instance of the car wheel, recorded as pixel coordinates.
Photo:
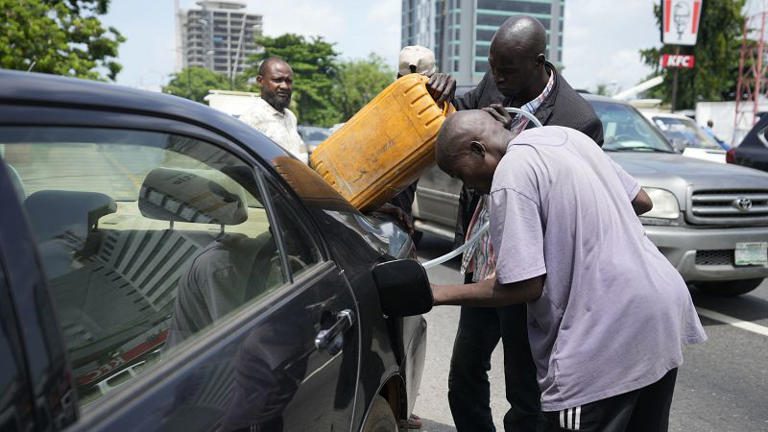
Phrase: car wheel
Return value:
(729, 288)
(380, 417)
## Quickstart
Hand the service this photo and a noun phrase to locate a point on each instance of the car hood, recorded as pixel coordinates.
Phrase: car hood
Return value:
(679, 174)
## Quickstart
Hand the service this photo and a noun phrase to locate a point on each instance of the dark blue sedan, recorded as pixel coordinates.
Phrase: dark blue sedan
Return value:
(165, 267)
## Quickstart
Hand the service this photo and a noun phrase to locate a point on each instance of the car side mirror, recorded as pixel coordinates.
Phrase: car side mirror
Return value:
(404, 288)
(679, 144)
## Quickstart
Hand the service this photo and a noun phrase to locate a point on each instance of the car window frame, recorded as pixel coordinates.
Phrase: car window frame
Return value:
(15, 338)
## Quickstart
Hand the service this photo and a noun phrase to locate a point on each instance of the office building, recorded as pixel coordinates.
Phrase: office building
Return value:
(460, 31)
(218, 35)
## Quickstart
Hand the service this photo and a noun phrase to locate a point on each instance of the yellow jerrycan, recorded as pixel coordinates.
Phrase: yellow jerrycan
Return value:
(385, 146)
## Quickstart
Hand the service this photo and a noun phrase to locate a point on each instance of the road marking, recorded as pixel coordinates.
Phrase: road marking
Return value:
(744, 325)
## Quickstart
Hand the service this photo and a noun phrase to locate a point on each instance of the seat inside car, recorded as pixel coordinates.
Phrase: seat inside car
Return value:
(65, 224)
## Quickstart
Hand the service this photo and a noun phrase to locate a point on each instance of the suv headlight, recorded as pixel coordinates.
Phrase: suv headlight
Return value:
(664, 204)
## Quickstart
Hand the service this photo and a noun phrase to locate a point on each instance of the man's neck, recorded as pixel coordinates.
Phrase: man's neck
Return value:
(535, 91)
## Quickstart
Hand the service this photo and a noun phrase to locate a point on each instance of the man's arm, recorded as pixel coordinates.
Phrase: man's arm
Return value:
(489, 293)
(594, 130)
(473, 98)
(642, 203)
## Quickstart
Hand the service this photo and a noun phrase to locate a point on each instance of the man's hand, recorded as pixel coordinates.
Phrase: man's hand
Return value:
(396, 212)
(500, 114)
(441, 87)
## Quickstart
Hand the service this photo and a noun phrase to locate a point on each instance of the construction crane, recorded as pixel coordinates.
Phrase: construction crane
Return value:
(752, 85)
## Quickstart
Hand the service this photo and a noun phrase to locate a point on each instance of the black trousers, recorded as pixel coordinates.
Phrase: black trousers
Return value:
(642, 410)
(468, 388)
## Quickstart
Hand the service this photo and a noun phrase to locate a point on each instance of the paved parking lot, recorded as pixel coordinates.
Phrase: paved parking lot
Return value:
(723, 385)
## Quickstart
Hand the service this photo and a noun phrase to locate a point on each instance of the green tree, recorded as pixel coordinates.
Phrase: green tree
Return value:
(602, 89)
(359, 81)
(62, 37)
(194, 82)
(315, 70)
(716, 52)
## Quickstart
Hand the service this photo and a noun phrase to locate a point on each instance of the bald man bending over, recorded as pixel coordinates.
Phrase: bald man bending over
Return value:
(607, 313)
(519, 76)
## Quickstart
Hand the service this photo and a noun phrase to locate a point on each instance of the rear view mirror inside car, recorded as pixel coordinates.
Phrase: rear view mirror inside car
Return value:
(404, 288)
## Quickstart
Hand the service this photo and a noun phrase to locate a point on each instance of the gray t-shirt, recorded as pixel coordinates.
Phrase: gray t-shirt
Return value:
(614, 313)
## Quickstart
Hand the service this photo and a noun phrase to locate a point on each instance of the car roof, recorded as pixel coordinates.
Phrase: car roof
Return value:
(598, 98)
(27, 88)
(751, 139)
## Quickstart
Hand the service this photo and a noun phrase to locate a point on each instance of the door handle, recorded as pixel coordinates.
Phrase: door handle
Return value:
(332, 338)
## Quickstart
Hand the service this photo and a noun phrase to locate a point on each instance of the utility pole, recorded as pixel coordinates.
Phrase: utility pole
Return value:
(674, 82)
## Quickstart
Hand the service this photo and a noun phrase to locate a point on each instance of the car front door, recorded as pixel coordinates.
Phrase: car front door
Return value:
(190, 297)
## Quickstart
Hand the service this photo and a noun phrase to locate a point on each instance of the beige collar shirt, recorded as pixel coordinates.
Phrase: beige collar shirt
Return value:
(279, 126)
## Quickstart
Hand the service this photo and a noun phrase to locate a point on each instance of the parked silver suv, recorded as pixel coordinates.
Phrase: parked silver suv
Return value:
(710, 220)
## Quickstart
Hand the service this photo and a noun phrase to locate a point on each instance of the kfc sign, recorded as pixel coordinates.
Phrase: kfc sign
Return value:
(680, 21)
(677, 61)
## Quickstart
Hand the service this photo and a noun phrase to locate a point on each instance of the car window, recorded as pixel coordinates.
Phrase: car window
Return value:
(147, 240)
(625, 129)
(687, 131)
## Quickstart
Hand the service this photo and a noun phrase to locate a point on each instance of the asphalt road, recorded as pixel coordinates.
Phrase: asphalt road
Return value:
(722, 387)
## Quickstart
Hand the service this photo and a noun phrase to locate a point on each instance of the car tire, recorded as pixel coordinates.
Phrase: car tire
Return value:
(380, 417)
(729, 288)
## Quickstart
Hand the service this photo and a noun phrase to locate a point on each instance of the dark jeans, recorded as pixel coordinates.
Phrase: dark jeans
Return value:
(468, 388)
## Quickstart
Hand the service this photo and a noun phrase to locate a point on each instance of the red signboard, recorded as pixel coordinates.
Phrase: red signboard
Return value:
(680, 21)
(677, 61)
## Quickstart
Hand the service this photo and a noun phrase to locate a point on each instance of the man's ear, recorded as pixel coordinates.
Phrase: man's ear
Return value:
(478, 148)
(259, 79)
(541, 59)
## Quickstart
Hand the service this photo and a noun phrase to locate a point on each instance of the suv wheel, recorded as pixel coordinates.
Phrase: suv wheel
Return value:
(380, 417)
(729, 288)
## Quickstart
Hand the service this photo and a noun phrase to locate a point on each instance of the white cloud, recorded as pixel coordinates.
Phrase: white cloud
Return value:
(304, 17)
(602, 39)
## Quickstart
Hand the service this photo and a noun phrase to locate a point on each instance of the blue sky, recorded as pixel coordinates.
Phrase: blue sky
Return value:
(601, 37)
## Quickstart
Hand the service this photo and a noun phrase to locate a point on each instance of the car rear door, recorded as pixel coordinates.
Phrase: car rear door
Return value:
(190, 297)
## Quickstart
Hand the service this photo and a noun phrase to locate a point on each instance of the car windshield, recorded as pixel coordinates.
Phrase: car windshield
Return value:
(314, 134)
(686, 130)
(625, 129)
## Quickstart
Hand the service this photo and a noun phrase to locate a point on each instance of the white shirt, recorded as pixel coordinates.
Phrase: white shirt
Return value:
(279, 126)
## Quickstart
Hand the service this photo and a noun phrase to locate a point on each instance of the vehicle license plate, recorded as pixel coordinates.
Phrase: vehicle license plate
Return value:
(754, 253)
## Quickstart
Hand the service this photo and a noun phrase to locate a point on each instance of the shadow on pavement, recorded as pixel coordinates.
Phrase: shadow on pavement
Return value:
(433, 426)
(746, 307)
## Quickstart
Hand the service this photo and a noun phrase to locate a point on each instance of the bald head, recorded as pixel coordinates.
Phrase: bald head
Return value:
(470, 145)
(267, 63)
(517, 59)
(520, 35)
